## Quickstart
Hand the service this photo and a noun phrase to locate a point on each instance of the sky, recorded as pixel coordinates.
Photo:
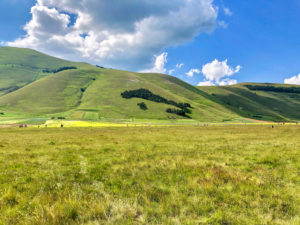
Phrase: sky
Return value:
(203, 42)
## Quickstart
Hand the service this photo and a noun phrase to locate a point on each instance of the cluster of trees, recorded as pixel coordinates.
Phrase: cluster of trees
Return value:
(179, 112)
(274, 89)
(148, 95)
(142, 105)
(59, 69)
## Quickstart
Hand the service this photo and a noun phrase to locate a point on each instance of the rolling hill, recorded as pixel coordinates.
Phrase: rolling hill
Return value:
(34, 84)
(270, 102)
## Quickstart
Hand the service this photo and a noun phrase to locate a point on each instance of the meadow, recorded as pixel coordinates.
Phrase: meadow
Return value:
(220, 174)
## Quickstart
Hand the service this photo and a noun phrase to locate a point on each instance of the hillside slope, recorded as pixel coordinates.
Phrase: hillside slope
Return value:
(90, 92)
(20, 67)
(34, 84)
(272, 102)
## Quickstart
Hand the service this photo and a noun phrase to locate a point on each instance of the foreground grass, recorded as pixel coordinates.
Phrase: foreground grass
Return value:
(150, 175)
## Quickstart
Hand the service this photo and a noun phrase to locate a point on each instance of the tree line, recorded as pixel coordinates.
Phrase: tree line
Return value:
(148, 95)
(295, 90)
(179, 112)
(59, 69)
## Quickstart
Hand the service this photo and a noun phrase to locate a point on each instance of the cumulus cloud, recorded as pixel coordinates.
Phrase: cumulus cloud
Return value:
(192, 72)
(171, 71)
(227, 81)
(159, 65)
(293, 80)
(224, 82)
(217, 73)
(116, 33)
(179, 65)
(217, 70)
(206, 83)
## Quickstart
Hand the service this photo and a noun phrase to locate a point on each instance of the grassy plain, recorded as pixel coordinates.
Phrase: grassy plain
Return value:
(150, 175)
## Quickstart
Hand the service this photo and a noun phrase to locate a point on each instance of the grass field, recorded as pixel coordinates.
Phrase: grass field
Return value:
(150, 175)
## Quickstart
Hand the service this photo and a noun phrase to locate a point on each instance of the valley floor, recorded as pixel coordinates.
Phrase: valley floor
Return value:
(150, 175)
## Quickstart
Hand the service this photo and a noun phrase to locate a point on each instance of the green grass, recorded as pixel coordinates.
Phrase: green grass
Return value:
(39, 94)
(260, 105)
(30, 59)
(20, 67)
(110, 104)
(56, 93)
(150, 175)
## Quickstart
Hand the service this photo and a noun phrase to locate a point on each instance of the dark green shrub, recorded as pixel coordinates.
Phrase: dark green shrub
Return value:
(142, 105)
(179, 112)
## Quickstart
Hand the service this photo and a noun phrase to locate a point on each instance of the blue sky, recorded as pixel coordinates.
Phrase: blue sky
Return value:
(261, 36)
(13, 16)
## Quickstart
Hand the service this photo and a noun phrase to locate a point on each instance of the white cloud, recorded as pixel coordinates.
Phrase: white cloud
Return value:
(179, 65)
(223, 24)
(227, 81)
(223, 82)
(171, 71)
(227, 11)
(192, 72)
(293, 80)
(159, 65)
(117, 33)
(216, 70)
(206, 83)
(217, 73)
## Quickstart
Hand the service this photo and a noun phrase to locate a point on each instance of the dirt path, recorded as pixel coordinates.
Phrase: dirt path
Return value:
(8, 126)
(258, 121)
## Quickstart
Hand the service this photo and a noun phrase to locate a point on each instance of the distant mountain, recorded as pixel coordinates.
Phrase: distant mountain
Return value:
(33, 84)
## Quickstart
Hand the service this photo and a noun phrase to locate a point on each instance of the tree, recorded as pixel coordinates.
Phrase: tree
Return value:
(142, 105)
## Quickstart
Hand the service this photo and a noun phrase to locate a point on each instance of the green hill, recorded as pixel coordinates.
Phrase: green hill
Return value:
(20, 67)
(272, 102)
(34, 84)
